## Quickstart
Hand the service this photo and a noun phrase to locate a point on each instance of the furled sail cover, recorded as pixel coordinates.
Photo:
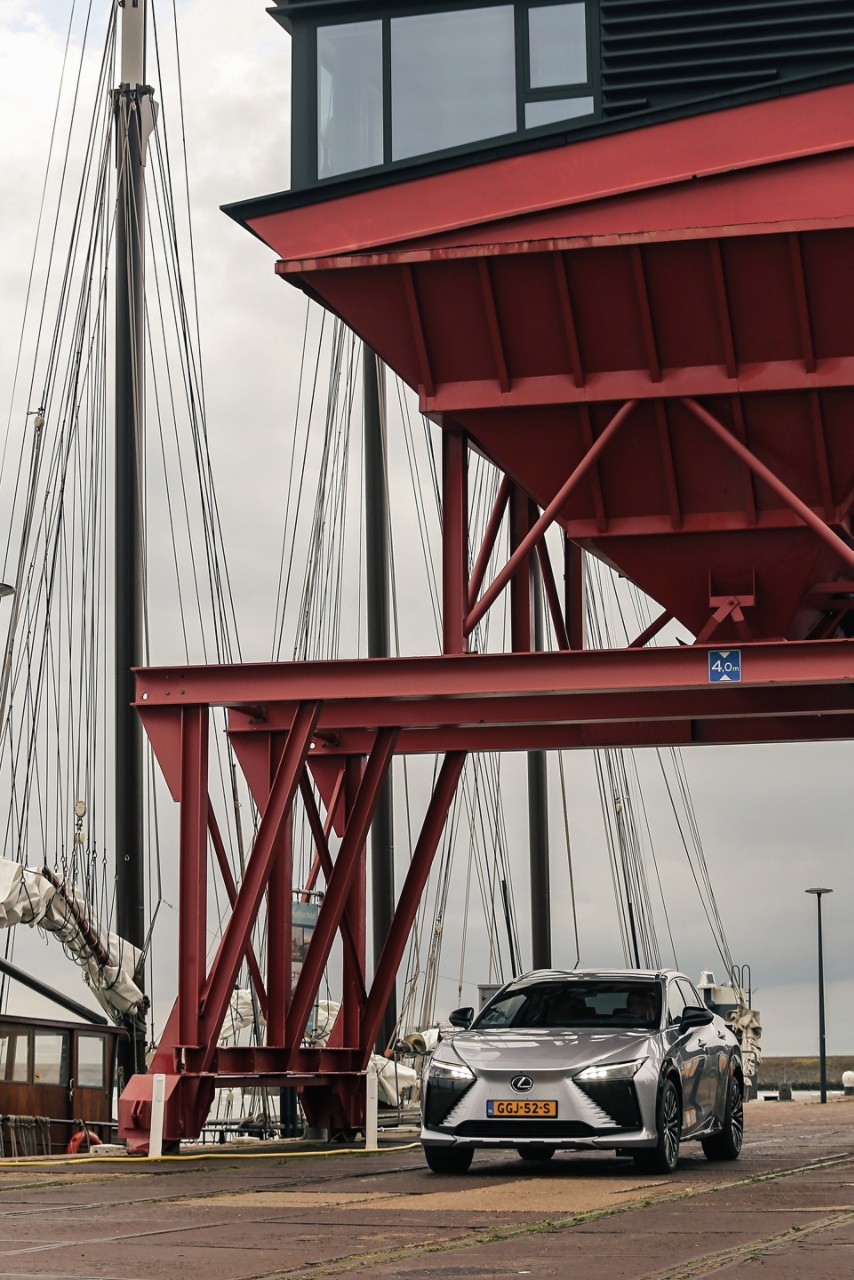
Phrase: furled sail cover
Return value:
(108, 962)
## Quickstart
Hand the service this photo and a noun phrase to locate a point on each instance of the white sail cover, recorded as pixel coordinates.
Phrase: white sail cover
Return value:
(28, 897)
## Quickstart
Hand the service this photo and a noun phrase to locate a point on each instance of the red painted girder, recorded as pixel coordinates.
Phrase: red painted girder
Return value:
(682, 151)
(776, 725)
(351, 724)
(237, 934)
(626, 384)
(493, 675)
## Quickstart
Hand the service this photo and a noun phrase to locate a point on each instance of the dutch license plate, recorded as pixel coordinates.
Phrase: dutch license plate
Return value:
(541, 1108)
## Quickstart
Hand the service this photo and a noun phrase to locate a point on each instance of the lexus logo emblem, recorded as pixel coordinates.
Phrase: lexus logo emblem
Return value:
(522, 1084)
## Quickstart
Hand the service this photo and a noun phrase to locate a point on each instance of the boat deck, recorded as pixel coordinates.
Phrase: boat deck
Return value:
(785, 1210)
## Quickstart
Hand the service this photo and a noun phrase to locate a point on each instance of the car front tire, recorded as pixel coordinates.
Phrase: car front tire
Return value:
(536, 1153)
(726, 1145)
(448, 1159)
(664, 1156)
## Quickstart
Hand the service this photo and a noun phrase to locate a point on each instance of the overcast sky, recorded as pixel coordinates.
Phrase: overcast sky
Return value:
(774, 820)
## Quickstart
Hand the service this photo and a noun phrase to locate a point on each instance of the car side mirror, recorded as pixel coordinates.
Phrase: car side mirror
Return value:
(462, 1018)
(693, 1016)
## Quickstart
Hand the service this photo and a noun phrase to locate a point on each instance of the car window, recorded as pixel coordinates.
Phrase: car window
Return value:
(675, 1002)
(502, 1013)
(690, 995)
(579, 1003)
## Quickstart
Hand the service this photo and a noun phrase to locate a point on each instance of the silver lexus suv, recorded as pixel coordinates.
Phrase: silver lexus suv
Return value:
(627, 1060)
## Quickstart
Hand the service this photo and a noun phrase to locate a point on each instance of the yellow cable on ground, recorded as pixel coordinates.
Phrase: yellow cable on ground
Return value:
(28, 1162)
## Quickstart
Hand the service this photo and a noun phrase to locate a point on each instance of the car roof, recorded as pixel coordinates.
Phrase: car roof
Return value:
(608, 975)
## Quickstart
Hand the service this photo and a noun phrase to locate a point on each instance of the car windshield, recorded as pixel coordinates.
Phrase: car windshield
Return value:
(579, 1003)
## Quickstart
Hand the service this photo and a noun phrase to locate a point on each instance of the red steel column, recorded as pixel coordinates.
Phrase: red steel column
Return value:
(235, 939)
(454, 540)
(520, 583)
(337, 891)
(279, 913)
(355, 913)
(574, 593)
(193, 849)
(410, 896)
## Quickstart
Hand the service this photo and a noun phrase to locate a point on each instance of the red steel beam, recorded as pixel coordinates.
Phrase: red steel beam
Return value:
(493, 324)
(552, 597)
(454, 540)
(724, 313)
(612, 386)
(337, 890)
(526, 546)
(668, 465)
(574, 592)
(493, 525)
(809, 517)
(347, 682)
(192, 917)
(821, 458)
(596, 477)
(279, 934)
(645, 311)
(568, 316)
(520, 580)
(749, 479)
(419, 337)
(657, 624)
(231, 893)
(325, 861)
(236, 936)
(802, 305)
(410, 895)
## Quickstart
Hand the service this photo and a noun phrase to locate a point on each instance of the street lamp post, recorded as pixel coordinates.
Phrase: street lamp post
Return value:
(822, 1055)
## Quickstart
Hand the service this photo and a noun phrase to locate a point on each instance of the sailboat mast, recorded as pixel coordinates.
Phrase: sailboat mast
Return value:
(133, 109)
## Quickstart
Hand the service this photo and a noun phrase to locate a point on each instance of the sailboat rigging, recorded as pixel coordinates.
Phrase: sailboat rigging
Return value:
(99, 839)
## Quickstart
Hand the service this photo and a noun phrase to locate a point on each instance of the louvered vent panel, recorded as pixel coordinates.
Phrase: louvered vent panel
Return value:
(663, 54)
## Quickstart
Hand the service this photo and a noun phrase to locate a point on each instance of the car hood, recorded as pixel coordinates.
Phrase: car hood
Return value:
(520, 1050)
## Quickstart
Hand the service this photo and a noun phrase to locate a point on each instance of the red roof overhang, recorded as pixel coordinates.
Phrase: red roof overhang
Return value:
(709, 259)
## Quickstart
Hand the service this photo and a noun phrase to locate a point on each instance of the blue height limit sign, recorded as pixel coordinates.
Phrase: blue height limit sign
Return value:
(724, 666)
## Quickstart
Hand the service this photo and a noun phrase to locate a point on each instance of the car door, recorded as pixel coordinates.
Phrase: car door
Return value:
(716, 1064)
(688, 1049)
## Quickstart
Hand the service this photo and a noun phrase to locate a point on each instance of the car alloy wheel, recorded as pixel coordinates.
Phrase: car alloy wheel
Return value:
(726, 1145)
(664, 1156)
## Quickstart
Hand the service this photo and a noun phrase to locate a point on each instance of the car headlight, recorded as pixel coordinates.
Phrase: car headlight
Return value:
(449, 1071)
(445, 1083)
(612, 1071)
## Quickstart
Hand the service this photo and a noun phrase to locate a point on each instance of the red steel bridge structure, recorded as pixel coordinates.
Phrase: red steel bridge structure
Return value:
(651, 334)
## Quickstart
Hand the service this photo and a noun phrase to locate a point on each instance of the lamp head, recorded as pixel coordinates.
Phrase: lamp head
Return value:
(818, 892)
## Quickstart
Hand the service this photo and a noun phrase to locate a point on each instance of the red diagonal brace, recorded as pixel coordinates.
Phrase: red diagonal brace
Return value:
(809, 517)
(231, 892)
(548, 517)
(490, 534)
(236, 937)
(324, 859)
(332, 908)
(416, 878)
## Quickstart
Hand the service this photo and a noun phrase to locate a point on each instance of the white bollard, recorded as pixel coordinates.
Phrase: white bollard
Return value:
(158, 1099)
(371, 1109)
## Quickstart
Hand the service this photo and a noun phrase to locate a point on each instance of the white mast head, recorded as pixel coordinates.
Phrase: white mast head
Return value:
(133, 42)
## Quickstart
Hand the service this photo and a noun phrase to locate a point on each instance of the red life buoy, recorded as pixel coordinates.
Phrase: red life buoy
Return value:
(80, 1139)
